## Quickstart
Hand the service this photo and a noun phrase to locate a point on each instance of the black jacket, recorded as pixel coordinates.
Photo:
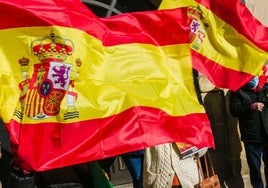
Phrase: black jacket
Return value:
(253, 124)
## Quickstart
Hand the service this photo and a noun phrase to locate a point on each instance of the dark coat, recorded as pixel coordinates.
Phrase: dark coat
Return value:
(253, 124)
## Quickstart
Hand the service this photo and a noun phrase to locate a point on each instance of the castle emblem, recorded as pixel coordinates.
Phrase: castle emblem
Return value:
(42, 93)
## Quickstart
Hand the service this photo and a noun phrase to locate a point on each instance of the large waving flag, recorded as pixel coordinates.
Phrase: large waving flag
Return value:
(229, 45)
(76, 88)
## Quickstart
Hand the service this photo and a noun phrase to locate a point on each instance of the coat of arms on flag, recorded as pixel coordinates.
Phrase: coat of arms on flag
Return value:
(43, 92)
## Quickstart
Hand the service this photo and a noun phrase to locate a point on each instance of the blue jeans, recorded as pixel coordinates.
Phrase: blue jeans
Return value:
(255, 153)
(134, 163)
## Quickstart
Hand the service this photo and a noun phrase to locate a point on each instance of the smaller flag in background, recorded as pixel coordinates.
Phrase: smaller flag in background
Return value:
(228, 44)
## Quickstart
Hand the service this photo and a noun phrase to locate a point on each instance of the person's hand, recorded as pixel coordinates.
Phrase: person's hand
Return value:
(257, 106)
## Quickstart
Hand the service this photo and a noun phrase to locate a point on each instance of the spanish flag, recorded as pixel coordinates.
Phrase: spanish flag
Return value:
(228, 44)
(77, 88)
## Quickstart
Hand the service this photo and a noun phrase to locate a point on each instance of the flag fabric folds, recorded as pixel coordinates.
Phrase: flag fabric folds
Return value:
(77, 88)
(236, 45)
(229, 45)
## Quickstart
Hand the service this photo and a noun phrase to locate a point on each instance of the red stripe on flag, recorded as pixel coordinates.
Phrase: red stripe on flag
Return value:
(159, 28)
(219, 75)
(17, 13)
(55, 145)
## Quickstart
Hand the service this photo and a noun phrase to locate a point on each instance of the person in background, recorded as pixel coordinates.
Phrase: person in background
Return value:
(250, 105)
(164, 168)
(134, 163)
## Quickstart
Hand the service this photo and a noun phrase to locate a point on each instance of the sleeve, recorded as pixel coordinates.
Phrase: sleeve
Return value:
(238, 106)
(266, 95)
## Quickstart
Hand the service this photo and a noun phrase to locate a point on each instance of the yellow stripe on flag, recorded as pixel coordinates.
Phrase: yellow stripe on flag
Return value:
(111, 79)
(169, 4)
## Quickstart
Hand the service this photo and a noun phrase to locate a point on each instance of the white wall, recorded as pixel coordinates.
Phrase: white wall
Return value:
(259, 8)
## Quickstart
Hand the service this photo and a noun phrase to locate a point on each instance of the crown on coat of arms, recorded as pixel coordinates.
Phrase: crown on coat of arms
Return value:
(194, 13)
(52, 46)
